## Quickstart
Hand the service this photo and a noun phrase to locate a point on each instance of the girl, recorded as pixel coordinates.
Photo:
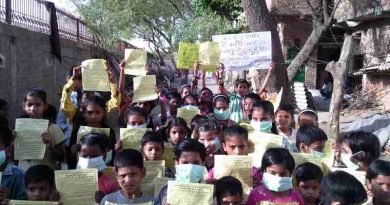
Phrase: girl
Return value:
(228, 190)
(136, 118)
(359, 149)
(284, 119)
(262, 114)
(34, 106)
(277, 166)
(378, 181)
(93, 112)
(235, 142)
(221, 111)
(185, 90)
(308, 117)
(190, 99)
(205, 101)
(208, 136)
(176, 131)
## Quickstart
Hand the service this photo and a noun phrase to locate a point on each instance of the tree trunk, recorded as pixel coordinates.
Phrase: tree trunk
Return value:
(259, 19)
(305, 52)
(338, 70)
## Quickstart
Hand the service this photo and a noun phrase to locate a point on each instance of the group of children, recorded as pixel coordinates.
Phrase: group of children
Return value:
(222, 126)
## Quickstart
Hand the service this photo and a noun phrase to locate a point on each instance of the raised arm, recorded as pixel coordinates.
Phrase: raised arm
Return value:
(266, 80)
(66, 103)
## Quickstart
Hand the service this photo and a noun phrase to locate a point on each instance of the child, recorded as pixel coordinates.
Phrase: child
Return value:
(205, 101)
(308, 117)
(262, 114)
(40, 185)
(359, 149)
(340, 187)
(189, 154)
(174, 102)
(185, 90)
(311, 139)
(152, 146)
(136, 118)
(12, 182)
(176, 131)
(277, 166)
(130, 170)
(309, 178)
(228, 190)
(3, 113)
(221, 111)
(241, 88)
(93, 150)
(190, 99)
(195, 123)
(208, 136)
(249, 101)
(235, 142)
(378, 181)
(34, 106)
(284, 119)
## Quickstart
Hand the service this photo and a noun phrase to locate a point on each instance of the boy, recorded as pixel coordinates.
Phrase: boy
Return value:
(341, 188)
(92, 152)
(40, 184)
(241, 88)
(311, 139)
(129, 168)
(188, 152)
(309, 178)
(12, 183)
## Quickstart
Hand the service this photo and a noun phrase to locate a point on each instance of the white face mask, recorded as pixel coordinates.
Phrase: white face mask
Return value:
(275, 183)
(90, 163)
(346, 159)
(137, 126)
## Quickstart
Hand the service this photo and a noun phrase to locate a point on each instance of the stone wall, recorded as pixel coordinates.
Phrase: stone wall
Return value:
(359, 9)
(28, 62)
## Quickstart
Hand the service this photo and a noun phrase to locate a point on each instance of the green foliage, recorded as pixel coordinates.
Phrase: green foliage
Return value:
(228, 9)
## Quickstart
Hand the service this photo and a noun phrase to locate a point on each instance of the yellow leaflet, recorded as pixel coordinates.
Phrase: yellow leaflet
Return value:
(95, 76)
(135, 62)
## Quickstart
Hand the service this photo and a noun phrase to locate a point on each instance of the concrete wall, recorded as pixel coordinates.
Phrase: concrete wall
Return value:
(379, 85)
(28, 62)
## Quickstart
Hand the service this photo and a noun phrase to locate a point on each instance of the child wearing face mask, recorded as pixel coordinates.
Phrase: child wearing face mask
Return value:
(92, 152)
(130, 170)
(189, 158)
(208, 136)
(228, 190)
(235, 142)
(277, 166)
(136, 118)
(378, 181)
(12, 183)
(308, 177)
(190, 100)
(221, 111)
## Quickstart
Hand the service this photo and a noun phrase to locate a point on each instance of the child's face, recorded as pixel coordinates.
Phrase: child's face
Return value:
(93, 114)
(206, 96)
(174, 103)
(135, 120)
(190, 101)
(152, 151)
(34, 107)
(38, 191)
(248, 103)
(177, 134)
(380, 188)
(190, 158)
(315, 146)
(88, 151)
(235, 146)
(221, 105)
(278, 170)
(4, 112)
(130, 178)
(242, 89)
(307, 120)
(283, 119)
(258, 115)
(207, 138)
(185, 91)
(231, 200)
(310, 191)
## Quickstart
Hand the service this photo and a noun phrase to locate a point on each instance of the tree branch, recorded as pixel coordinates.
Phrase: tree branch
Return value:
(329, 21)
(177, 9)
(311, 8)
(325, 10)
(153, 28)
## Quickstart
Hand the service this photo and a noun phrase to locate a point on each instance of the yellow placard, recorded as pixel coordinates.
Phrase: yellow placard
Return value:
(209, 53)
(189, 193)
(136, 60)
(131, 137)
(301, 158)
(187, 55)
(95, 75)
(169, 156)
(154, 170)
(159, 183)
(28, 142)
(84, 130)
(77, 187)
(144, 88)
(187, 114)
(259, 142)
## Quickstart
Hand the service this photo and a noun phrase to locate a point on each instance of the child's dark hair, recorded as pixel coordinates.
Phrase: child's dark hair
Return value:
(206, 89)
(39, 173)
(50, 113)
(309, 112)
(135, 110)
(339, 186)
(3, 103)
(190, 96)
(195, 122)
(95, 139)
(177, 121)
(278, 156)
(220, 97)
(308, 171)
(207, 125)
(362, 141)
(184, 86)
(190, 145)
(174, 95)
(36, 92)
(95, 100)
(227, 186)
(378, 167)
(287, 108)
(253, 96)
(235, 131)
(5, 136)
(70, 74)
(127, 158)
(265, 105)
(151, 136)
(241, 81)
(309, 134)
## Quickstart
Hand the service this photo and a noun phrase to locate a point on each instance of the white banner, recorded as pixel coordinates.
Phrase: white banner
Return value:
(245, 51)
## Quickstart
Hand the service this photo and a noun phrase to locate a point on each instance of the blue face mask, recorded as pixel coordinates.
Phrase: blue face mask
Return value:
(317, 154)
(277, 184)
(222, 115)
(190, 173)
(2, 157)
(263, 126)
